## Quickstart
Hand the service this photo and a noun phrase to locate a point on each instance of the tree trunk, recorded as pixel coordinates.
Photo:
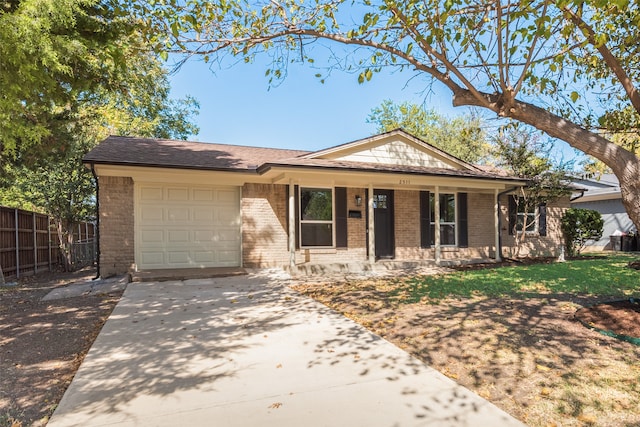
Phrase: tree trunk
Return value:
(65, 238)
(624, 164)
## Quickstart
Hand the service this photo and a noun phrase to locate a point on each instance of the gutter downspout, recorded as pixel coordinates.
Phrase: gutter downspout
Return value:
(499, 248)
(97, 236)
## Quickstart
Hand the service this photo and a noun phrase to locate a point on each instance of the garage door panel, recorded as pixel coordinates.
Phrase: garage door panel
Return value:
(203, 195)
(187, 226)
(204, 236)
(227, 196)
(204, 256)
(178, 214)
(178, 257)
(178, 236)
(227, 256)
(151, 193)
(225, 217)
(152, 236)
(228, 236)
(178, 194)
(149, 214)
(202, 214)
(152, 258)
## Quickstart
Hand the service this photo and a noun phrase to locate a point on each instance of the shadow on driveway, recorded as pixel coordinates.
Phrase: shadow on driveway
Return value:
(247, 351)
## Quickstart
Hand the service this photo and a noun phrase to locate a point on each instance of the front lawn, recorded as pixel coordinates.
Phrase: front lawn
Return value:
(597, 276)
(509, 334)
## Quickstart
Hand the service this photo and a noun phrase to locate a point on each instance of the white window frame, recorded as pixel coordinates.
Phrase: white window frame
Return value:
(519, 214)
(332, 222)
(455, 223)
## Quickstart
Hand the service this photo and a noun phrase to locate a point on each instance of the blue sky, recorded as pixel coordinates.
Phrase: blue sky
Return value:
(237, 106)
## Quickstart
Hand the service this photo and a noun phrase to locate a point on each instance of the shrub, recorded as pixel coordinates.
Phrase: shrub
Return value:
(579, 226)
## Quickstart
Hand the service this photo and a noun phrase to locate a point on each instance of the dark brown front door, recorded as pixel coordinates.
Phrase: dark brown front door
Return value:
(383, 217)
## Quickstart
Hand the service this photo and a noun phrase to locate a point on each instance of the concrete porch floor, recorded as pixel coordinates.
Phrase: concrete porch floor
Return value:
(380, 267)
(364, 268)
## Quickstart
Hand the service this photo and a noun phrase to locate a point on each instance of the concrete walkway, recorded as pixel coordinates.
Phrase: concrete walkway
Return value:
(248, 351)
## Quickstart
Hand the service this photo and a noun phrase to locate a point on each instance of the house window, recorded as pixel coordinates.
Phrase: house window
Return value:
(380, 201)
(526, 217)
(447, 219)
(316, 217)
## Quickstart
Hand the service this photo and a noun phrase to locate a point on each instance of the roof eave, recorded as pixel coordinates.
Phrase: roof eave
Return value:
(264, 168)
(167, 166)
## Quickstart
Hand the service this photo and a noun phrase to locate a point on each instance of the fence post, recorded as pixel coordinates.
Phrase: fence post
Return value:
(15, 215)
(49, 235)
(35, 243)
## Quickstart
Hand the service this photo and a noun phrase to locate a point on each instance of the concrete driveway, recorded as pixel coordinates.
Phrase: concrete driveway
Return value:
(249, 351)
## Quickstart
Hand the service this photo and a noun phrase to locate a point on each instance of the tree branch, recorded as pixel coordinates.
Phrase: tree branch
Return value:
(555, 126)
(608, 57)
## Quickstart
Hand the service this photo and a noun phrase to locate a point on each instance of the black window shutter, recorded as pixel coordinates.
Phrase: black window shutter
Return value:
(513, 213)
(366, 222)
(463, 232)
(341, 217)
(425, 221)
(542, 219)
(296, 192)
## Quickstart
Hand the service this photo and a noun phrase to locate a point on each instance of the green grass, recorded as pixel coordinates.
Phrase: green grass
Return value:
(604, 276)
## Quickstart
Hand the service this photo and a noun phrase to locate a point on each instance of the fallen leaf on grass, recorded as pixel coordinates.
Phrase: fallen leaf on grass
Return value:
(589, 419)
(545, 391)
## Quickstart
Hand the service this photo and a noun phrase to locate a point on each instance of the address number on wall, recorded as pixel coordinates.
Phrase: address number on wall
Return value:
(405, 182)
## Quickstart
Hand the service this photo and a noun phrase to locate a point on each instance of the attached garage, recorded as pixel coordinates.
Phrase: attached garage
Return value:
(187, 226)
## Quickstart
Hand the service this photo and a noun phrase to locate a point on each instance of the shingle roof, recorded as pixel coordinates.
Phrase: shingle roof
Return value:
(120, 150)
(150, 152)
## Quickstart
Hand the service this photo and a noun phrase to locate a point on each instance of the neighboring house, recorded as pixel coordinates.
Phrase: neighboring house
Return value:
(176, 204)
(603, 195)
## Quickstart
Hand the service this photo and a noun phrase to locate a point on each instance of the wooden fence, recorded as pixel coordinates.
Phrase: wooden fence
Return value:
(29, 243)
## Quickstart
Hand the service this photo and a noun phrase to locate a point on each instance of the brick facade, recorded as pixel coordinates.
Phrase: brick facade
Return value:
(407, 226)
(264, 225)
(264, 210)
(116, 225)
(535, 245)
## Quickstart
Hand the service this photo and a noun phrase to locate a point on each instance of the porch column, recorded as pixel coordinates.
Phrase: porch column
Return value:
(496, 222)
(436, 220)
(292, 225)
(372, 229)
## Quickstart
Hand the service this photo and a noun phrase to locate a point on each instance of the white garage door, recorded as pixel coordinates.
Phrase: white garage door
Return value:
(180, 226)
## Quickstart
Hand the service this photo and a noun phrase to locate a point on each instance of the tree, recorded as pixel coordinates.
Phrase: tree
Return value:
(578, 227)
(59, 184)
(462, 137)
(522, 153)
(566, 67)
(54, 53)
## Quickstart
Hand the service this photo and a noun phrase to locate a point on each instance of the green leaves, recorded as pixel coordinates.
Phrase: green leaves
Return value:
(574, 96)
(462, 136)
(365, 76)
(578, 227)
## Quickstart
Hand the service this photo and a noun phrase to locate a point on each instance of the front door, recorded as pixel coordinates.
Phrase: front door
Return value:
(383, 217)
